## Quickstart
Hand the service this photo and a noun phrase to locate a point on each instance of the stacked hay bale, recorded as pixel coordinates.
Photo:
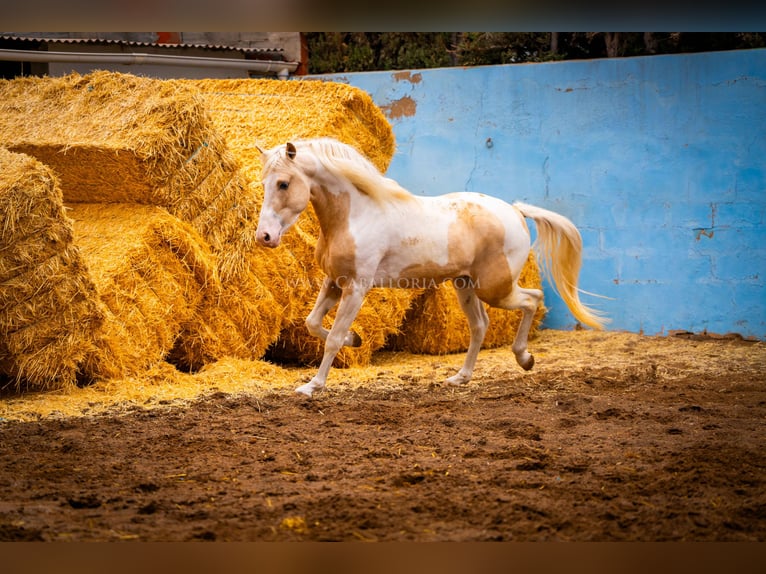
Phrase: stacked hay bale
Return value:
(436, 325)
(117, 138)
(120, 139)
(158, 280)
(265, 113)
(120, 143)
(50, 317)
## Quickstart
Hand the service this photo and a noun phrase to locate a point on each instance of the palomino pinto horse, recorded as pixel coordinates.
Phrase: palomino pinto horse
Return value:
(374, 233)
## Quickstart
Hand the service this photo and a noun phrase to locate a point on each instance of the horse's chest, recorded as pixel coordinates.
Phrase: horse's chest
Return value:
(336, 255)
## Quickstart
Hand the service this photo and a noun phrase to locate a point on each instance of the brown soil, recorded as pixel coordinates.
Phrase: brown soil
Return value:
(610, 437)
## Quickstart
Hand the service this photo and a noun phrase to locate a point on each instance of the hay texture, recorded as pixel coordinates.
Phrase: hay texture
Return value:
(159, 282)
(118, 138)
(124, 140)
(50, 318)
(436, 325)
(150, 274)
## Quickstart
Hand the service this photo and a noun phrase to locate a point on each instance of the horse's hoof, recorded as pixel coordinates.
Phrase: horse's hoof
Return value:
(356, 340)
(305, 391)
(457, 380)
(529, 363)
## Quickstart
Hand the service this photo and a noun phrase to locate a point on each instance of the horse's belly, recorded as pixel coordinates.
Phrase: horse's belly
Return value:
(422, 261)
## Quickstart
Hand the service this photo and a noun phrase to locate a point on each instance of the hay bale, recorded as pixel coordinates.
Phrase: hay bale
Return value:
(271, 112)
(117, 138)
(436, 325)
(50, 318)
(240, 323)
(159, 282)
(148, 272)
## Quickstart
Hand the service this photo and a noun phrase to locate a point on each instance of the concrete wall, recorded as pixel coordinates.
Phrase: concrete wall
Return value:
(660, 161)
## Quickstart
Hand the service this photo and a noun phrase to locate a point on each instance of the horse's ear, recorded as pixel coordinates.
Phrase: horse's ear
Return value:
(261, 151)
(290, 150)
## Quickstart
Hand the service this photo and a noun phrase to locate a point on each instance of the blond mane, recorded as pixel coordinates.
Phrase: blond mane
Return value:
(345, 161)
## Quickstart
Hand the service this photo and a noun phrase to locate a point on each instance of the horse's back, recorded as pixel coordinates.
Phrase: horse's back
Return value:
(489, 229)
(470, 204)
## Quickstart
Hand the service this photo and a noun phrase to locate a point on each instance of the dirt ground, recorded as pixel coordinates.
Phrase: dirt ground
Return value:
(612, 436)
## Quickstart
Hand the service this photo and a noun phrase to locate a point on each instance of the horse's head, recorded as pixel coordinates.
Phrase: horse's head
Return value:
(287, 191)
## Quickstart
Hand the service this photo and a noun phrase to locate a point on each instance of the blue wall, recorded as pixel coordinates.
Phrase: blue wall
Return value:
(660, 161)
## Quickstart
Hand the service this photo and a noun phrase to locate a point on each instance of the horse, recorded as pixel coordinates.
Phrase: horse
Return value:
(374, 233)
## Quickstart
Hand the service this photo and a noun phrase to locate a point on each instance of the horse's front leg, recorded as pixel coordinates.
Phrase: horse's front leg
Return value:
(329, 294)
(350, 303)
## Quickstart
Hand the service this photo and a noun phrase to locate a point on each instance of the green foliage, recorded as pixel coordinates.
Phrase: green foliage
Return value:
(337, 52)
(331, 52)
(479, 48)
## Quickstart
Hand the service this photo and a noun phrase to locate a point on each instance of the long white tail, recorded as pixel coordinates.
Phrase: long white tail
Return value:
(559, 253)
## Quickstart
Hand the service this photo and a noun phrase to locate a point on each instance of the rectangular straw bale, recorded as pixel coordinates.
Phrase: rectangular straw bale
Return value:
(271, 112)
(31, 247)
(436, 325)
(150, 272)
(209, 336)
(114, 137)
(240, 322)
(57, 279)
(50, 322)
(159, 280)
(50, 318)
(33, 225)
(224, 219)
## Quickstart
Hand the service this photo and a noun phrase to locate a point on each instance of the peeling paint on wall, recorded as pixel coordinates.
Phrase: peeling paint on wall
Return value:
(403, 107)
(408, 76)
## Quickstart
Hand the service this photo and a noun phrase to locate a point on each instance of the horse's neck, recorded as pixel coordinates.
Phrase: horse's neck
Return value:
(332, 208)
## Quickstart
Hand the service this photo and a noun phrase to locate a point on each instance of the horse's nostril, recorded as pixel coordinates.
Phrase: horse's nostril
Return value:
(266, 237)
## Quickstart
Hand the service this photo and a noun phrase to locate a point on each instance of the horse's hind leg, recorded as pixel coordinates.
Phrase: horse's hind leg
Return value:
(528, 300)
(478, 321)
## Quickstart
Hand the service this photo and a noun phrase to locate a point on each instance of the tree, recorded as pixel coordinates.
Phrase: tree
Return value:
(337, 52)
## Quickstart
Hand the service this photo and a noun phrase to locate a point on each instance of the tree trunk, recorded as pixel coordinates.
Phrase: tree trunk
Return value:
(650, 43)
(612, 40)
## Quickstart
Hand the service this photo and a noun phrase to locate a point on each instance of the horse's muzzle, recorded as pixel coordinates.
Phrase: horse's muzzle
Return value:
(267, 239)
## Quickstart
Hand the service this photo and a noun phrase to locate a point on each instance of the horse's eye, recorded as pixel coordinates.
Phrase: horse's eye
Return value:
(283, 185)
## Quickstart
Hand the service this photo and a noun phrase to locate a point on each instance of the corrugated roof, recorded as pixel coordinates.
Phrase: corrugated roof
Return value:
(248, 51)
